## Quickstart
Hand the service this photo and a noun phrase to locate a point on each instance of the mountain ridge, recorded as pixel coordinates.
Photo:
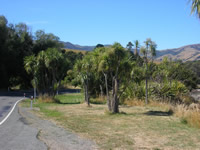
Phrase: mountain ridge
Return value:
(184, 53)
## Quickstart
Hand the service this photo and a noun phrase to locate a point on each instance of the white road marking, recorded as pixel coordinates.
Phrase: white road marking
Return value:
(10, 112)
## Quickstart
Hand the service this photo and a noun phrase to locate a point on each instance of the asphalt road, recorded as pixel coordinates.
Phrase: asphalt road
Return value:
(15, 132)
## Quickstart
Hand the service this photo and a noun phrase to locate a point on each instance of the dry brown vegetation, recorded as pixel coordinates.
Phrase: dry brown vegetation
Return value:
(76, 51)
(136, 127)
(189, 114)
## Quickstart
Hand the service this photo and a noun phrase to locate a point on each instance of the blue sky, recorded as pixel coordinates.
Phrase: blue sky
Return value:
(89, 22)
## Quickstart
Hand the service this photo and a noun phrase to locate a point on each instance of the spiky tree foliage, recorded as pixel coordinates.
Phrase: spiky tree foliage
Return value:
(148, 51)
(129, 46)
(195, 8)
(115, 66)
(48, 68)
(84, 73)
(136, 47)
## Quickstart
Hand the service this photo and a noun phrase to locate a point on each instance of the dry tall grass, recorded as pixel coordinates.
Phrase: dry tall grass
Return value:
(189, 114)
(46, 98)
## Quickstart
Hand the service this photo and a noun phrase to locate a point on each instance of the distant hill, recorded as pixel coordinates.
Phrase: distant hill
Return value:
(69, 45)
(185, 53)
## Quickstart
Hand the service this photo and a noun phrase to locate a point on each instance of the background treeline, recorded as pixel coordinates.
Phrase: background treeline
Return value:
(17, 42)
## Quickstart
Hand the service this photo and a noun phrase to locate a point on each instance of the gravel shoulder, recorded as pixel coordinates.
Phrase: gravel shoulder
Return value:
(55, 137)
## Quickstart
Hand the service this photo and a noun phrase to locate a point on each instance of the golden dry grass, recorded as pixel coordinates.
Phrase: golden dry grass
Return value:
(76, 51)
(138, 127)
(189, 114)
(45, 99)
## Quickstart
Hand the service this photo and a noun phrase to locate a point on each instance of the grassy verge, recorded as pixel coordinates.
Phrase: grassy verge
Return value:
(138, 127)
(72, 98)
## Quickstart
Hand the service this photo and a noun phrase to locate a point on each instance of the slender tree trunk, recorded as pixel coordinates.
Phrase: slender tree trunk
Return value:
(86, 91)
(59, 83)
(146, 98)
(35, 89)
(146, 82)
(115, 102)
(101, 89)
(107, 92)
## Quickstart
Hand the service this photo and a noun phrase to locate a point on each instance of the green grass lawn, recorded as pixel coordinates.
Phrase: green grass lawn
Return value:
(138, 127)
(71, 98)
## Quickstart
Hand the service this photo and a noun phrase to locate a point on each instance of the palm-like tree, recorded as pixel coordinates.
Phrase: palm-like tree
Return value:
(30, 65)
(129, 46)
(195, 7)
(53, 59)
(153, 47)
(83, 69)
(149, 50)
(136, 47)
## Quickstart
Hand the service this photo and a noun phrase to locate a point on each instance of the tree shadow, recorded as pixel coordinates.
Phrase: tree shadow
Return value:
(159, 113)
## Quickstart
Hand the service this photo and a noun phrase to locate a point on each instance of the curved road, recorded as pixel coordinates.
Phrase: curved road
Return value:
(25, 131)
(15, 133)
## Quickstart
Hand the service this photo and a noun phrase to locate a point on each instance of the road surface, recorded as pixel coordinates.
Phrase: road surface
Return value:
(15, 132)
(25, 131)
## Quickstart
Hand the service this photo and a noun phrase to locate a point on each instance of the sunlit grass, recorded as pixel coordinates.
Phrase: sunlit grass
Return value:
(71, 98)
(135, 128)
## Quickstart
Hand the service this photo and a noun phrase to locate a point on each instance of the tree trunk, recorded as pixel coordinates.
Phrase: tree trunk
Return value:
(59, 83)
(115, 101)
(101, 89)
(146, 82)
(146, 98)
(107, 92)
(87, 93)
(35, 90)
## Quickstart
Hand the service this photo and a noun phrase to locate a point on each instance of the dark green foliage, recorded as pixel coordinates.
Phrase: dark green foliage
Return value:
(185, 75)
(99, 45)
(73, 57)
(43, 40)
(48, 68)
(17, 42)
(195, 67)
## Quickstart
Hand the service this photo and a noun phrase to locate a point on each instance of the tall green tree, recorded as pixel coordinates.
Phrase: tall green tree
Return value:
(148, 51)
(4, 79)
(115, 66)
(43, 41)
(16, 42)
(103, 65)
(48, 68)
(129, 46)
(136, 47)
(83, 71)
